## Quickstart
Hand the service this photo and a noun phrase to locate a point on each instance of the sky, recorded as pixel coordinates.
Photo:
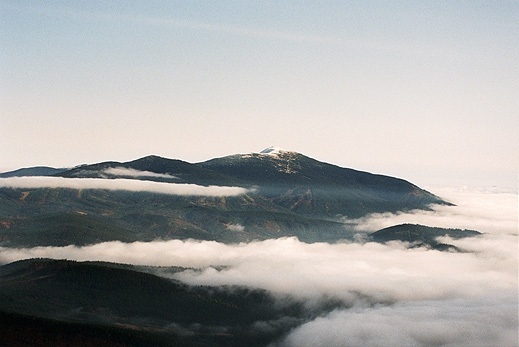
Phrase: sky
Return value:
(426, 91)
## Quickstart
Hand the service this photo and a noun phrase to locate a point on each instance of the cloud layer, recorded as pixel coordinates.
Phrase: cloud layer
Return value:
(121, 184)
(482, 210)
(485, 321)
(287, 266)
(394, 295)
(417, 296)
(127, 172)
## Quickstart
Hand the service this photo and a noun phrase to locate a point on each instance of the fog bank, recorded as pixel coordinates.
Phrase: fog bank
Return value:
(485, 321)
(127, 172)
(488, 211)
(120, 184)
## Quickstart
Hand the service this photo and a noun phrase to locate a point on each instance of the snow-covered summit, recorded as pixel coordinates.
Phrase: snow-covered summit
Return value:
(274, 150)
(285, 159)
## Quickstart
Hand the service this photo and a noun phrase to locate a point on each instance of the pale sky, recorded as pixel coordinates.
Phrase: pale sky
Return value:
(426, 91)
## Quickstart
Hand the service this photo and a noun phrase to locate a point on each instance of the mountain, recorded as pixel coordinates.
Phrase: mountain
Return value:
(51, 302)
(33, 171)
(282, 193)
(421, 235)
(169, 170)
(308, 186)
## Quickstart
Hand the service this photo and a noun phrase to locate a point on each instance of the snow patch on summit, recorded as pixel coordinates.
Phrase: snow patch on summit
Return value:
(270, 151)
(274, 151)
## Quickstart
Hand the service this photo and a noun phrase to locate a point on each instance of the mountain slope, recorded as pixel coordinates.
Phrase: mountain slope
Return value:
(178, 171)
(308, 186)
(119, 299)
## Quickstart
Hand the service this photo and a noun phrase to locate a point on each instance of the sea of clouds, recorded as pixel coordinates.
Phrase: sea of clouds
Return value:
(392, 295)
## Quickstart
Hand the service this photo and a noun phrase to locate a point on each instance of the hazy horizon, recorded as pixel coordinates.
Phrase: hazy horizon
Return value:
(431, 180)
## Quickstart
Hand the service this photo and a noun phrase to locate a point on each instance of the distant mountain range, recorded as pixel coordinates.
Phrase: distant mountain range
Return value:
(284, 193)
(33, 171)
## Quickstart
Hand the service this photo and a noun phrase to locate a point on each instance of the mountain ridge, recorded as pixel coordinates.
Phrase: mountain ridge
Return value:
(285, 194)
(421, 235)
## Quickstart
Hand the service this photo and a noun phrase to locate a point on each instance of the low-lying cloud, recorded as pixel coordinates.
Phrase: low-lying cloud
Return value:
(484, 321)
(235, 227)
(383, 273)
(481, 210)
(391, 294)
(419, 296)
(128, 172)
(132, 185)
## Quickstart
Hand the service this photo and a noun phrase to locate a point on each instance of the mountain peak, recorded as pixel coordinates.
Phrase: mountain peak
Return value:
(272, 150)
(276, 151)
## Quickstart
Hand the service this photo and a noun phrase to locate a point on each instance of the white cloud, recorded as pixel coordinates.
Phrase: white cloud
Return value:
(127, 172)
(381, 273)
(120, 184)
(481, 210)
(485, 321)
(235, 227)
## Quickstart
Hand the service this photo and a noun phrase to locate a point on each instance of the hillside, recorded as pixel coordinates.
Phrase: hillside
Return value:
(58, 300)
(421, 235)
(309, 186)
